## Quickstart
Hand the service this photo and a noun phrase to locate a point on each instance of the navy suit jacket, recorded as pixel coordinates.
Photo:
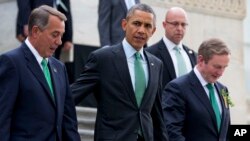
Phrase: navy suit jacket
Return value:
(110, 15)
(106, 73)
(26, 6)
(27, 109)
(159, 49)
(188, 113)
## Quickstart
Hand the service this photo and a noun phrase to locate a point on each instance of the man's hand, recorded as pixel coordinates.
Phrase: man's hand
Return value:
(20, 38)
(67, 46)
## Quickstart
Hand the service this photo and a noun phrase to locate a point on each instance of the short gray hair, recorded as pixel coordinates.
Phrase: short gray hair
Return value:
(212, 46)
(40, 16)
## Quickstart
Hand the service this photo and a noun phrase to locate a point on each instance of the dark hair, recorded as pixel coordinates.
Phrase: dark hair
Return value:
(141, 7)
(40, 16)
(213, 46)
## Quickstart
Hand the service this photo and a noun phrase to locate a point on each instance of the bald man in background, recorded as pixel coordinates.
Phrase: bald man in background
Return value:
(175, 24)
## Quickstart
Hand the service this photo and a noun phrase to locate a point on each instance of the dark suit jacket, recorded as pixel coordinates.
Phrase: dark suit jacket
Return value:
(118, 117)
(188, 113)
(110, 15)
(160, 50)
(26, 6)
(27, 109)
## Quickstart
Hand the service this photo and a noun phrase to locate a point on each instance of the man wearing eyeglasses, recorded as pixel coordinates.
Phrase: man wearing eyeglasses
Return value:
(177, 58)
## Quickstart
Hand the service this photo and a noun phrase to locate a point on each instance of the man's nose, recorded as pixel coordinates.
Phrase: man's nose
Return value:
(142, 29)
(59, 41)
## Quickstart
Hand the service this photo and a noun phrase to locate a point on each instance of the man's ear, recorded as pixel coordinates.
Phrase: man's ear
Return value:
(200, 58)
(35, 31)
(124, 24)
(153, 31)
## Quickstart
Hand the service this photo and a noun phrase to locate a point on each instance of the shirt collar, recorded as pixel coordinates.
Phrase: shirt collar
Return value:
(38, 57)
(200, 77)
(130, 51)
(170, 45)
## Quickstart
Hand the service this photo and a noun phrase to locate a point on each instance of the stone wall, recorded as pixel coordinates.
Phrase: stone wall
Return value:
(225, 8)
(215, 18)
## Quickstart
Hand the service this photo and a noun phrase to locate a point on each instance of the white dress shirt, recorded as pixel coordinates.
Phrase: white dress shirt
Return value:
(130, 52)
(204, 83)
(170, 47)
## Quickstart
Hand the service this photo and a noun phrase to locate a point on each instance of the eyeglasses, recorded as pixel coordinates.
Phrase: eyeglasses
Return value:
(176, 24)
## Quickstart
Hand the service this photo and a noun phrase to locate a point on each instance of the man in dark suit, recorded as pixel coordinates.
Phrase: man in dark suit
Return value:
(35, 97)
(175, 27)
(126, 111)
(24, 10)
(110, 15)
(194, 105)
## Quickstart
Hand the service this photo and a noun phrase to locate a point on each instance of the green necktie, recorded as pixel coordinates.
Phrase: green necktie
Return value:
(181, 65)
(140, 80)
(47, 75)
(214, 104)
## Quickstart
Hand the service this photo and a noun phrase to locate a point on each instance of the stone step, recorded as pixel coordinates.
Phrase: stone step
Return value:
(86, 122)
(86, 135)
(86, 112)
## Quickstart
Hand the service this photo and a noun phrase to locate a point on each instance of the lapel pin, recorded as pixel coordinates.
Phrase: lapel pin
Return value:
(152, 64)
(190, 52)
(55, 70)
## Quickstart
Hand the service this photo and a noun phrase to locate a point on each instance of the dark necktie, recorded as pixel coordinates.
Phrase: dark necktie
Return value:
(47, 75)
(214, 104)
(140, 80)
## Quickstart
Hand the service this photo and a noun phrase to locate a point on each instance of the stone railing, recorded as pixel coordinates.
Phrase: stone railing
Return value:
(226, 8)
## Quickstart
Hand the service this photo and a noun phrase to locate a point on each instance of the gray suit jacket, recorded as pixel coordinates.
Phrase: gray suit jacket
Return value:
(106, 73)
(188, 113)
(110, 15)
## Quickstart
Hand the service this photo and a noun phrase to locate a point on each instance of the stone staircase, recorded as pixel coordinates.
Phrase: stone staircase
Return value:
(86, 122)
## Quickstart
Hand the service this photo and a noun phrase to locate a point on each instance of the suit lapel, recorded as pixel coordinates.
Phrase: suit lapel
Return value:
(224, 113)
(120, 63)
(35, 68)
(199, 92)
(219, 89)
(151, 73)
(123, 4)
(137, 1)
(165, 55)
(55, 81)
(191, 55)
